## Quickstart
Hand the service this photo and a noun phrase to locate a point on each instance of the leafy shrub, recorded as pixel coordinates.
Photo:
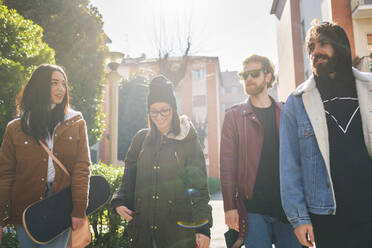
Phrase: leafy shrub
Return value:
(9, 238)
(74, 29)
(21, 50)
(214, 185)
(108, 229)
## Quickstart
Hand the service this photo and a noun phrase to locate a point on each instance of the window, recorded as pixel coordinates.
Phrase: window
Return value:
(198, 74)
(199, 101)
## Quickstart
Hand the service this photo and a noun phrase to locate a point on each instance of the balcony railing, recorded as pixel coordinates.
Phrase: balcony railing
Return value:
(355, 3)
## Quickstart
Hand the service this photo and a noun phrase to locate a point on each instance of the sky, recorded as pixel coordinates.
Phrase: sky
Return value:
(229, 29)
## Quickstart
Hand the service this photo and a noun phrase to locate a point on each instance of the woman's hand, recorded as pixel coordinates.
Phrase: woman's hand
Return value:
(124, 212)
(232, 219)
(77, 223)
(202, 241)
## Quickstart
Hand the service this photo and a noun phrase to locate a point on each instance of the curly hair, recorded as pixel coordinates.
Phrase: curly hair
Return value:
(335, 35)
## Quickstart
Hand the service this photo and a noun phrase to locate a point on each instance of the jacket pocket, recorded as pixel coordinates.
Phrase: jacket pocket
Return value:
(132, 230)
(307, 141)
(322, 195)
(68, 145)
(26, 149)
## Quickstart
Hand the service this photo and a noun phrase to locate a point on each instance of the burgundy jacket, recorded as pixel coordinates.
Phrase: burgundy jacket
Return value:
(241, 145)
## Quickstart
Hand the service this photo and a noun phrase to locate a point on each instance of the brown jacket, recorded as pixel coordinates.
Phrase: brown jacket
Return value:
(24, 167)
(241, 145)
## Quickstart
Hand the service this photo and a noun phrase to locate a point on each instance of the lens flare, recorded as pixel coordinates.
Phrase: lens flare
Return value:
(191, 193)
(192, 225)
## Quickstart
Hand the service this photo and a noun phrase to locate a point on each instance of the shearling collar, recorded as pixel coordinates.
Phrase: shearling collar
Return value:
(185, 125)
(310, 84)
(71, 114)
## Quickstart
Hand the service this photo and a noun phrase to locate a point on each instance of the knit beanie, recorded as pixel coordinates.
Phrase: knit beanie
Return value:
(161, 90)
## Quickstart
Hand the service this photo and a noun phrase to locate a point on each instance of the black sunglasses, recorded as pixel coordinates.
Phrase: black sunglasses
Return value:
(162, 112)
(254, 73)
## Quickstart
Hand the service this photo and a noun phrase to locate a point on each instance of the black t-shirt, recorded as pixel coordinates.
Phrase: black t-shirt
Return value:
(266, 194)
(351, 166)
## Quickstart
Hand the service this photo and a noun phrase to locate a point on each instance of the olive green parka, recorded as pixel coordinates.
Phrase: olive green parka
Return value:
(165, 183)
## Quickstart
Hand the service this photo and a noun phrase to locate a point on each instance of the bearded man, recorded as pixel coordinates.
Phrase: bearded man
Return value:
(326, 147)
(250, 163)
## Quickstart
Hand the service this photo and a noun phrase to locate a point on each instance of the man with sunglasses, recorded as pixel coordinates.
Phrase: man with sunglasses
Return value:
(250, 163)
(326, 147)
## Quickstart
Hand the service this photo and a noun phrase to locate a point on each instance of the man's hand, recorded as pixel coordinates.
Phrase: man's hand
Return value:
(202, 241)
(305, 235)
(232, 219)
(1, 234)
(77, 223)
(124, 212)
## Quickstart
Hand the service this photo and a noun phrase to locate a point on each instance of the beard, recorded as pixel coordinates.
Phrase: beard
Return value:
(325, 68)
(254, 89)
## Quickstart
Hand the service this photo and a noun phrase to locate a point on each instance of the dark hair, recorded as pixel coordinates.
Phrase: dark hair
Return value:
(267, 66)
(175, 125)
(335, 35)
(34, 106)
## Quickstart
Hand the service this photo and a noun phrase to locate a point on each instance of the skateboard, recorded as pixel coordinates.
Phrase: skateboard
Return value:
(46, 219)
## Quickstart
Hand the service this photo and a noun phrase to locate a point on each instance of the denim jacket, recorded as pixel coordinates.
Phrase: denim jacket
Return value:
(305, 178)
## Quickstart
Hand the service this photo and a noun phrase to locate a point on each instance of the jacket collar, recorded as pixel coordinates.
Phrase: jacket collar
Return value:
(185, 126)
(71, 114)
(310, 84)
(248, 109)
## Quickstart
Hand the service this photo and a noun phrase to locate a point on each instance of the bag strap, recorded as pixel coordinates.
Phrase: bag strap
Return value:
(54, 158)
(142, 139)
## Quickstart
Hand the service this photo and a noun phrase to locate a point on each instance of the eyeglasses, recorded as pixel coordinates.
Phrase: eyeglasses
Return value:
(162, 112)
(254, 73)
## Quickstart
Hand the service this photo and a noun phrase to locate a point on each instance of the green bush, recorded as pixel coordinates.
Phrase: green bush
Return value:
(74, 29)
(9, 238)
(109, 230)
(21, 50)
(214, 185)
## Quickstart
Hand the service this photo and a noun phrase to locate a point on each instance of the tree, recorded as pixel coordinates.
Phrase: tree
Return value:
(132, 114)
(174, 47)
(21, 50)
(74, 29)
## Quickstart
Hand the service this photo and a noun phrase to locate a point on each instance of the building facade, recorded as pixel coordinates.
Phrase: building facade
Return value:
(198, 97)
(231, 92)
(294, 18)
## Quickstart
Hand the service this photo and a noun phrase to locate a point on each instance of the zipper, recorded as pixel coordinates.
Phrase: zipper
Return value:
(176, 155)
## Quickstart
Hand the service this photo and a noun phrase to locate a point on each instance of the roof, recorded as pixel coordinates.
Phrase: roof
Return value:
(149, 61)
(278, 7)
(144, 60)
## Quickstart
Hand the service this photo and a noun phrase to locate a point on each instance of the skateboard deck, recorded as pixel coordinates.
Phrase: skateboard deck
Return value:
(46, 219)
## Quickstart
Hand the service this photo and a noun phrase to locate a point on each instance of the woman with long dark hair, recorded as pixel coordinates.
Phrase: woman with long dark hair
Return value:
(27, 173)
(164, 193)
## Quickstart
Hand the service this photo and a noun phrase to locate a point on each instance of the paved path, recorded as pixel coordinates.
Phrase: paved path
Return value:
(219, 226)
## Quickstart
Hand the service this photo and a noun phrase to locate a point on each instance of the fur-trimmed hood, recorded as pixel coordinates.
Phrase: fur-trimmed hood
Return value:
(187, 130)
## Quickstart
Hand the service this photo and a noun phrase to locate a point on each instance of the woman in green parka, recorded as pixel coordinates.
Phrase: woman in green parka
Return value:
(164, 194)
